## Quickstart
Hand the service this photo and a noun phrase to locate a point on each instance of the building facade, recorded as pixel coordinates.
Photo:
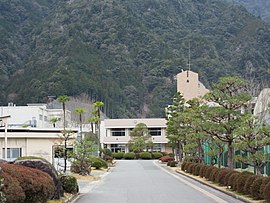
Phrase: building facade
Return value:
(189, 86)
(34, 115)
(115, 133)
(31, 142)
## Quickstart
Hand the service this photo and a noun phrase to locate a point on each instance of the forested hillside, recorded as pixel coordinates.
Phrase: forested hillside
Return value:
(260, 8)
(124, 53)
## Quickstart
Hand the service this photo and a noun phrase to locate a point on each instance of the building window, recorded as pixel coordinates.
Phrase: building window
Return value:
(155, 131)
(40, 117)
(12, 153)
(157, 148)
(118, 147)
(45, 118)
(118, 132)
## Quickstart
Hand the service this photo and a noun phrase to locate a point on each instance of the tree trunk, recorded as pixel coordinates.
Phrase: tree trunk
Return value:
(230, 155)
(219, 160)
(65, 157)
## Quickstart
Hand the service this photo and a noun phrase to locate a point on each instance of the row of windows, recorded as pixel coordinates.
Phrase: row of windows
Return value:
(122, 131)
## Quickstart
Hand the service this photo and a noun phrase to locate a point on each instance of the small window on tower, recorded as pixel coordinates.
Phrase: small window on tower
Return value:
(187, 81)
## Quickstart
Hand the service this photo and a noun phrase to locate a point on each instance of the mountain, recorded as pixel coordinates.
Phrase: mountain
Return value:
(259, 8)
(125, 53)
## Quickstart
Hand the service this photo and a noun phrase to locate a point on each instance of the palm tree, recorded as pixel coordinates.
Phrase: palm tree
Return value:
(54, 120)
(80, 111)
(63, 99)
(97, 106)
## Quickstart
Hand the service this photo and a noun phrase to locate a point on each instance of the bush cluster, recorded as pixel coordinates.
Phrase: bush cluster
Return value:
(244, 183)
(30, 185)
(70, 184)
(141, 155)
(172, 163)
(157, 155)
(129, 155)
(118, 155)
(98, 163)
(145, 155)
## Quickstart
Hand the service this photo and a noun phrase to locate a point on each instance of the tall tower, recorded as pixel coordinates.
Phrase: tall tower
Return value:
(188, 83)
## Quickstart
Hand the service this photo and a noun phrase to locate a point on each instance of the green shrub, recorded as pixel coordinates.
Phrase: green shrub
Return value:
(37, 185)
(241, 181)
(171, 155)
(208, 171)
(265, 181)
(266, 192)
(164, 153)
(145, 155)
(157, 155)
(69, 184)
(190, 167)
(255, 187)
(202, 170)
(83, 168)
(172, 163)
(227, 178)
(220, 177)
(213, 174)
(248, 183)
(232, 181)
(183, 165)
(197, 169)
(129, 155)
(98, 163)
(107, 152)
(118, 155)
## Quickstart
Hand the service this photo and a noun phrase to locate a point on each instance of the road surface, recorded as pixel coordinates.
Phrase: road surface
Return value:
(141, 181)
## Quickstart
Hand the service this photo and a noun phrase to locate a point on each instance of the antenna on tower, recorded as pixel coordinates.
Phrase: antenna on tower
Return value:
(189, 64)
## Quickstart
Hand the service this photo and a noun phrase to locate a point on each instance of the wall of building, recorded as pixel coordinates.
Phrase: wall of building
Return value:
(189, 86)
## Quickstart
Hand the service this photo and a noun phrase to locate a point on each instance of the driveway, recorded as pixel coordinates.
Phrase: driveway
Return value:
(137, 181)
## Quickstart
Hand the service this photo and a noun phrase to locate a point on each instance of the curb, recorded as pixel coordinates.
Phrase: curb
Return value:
(214, 187)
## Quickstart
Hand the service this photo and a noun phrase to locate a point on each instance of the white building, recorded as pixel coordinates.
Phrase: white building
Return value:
(115, 133)
(34, 115)
(30, 131)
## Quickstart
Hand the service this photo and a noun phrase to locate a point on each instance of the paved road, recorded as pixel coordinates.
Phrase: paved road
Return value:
(139, 181)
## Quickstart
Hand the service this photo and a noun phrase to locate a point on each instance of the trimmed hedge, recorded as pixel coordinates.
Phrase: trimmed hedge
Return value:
(202, 171)
(12, 185)
(118, 155)
(208, 172)
(145, 155)
(129, 155)
(213, 174)
(248, 184)
(172, 163)
(98, 163)
(265, 181)
(70, 184)
(228, 180)
(241, 181)
(36, 185)
(220, 177)
(266, 192)
(157, 155)
(255, 187)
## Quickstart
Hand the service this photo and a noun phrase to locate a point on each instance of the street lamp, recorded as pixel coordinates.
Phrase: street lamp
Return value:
(4, 120)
